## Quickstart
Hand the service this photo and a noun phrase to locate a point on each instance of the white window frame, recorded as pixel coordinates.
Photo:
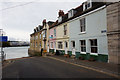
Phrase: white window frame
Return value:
(40, 36)
(51, 45)
(82, 46)
(82, 25)
(65, 29)
(60, 19)
(96, 46)
(85, 5)
(72, 44)
(60, 45)
(54, 32)
(66, 44)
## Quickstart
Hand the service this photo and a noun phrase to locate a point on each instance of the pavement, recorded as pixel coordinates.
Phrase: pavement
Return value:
(103, 67)
(50, 67)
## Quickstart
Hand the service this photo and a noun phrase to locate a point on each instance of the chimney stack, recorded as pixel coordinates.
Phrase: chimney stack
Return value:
(60, 13)
(44, 22)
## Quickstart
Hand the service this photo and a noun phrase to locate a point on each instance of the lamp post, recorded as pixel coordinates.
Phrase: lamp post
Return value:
(2, 52)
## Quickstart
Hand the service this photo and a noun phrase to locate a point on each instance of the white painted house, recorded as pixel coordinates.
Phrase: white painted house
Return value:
(88, 31)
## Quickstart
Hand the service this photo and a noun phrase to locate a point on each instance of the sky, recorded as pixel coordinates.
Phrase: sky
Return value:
(18, 18)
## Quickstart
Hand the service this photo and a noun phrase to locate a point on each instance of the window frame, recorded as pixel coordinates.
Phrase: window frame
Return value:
(83, 45)
(65, 29)
(93, 46)
(60, 45)
(40, 36)
(36, 44)
(54, 32)
(73, 45)
(51, 44)
(82, 25)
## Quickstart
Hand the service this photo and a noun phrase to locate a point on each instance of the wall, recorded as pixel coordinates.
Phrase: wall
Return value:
(51, 32)
(113, 26)
(60, 35)
(95, 23)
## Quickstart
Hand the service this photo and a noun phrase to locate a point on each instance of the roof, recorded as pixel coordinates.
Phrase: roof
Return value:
(41, 28)
(79, 12)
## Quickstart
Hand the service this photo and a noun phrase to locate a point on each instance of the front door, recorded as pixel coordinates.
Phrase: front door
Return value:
(73, 47)
(54, 46)
(65, 48)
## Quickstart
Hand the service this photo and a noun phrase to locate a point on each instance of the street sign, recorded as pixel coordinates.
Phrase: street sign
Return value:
(3, 38)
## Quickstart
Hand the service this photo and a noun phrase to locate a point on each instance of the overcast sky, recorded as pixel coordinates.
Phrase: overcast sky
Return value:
(18, 19)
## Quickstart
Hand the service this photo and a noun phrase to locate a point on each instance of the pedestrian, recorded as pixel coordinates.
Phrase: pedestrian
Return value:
(41, 51)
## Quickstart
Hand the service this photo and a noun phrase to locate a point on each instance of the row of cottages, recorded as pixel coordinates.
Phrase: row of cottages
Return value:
(90, 31)
(81, 32)
(40, 38)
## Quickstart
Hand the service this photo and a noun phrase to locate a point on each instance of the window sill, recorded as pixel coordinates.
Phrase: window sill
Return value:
(82, 33)
(83, 52)
(94, 54)
(65, 36)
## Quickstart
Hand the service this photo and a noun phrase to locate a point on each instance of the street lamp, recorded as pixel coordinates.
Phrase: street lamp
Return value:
(2, 52)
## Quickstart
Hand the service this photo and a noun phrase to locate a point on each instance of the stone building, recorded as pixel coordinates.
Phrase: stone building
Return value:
(40, 38)
(113, 32)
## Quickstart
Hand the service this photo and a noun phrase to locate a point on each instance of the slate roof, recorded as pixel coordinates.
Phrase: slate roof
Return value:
(79, 12)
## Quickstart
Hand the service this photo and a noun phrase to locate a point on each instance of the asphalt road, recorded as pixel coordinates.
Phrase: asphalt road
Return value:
(43, 67)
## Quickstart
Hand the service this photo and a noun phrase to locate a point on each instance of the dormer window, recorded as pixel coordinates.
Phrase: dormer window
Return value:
(87, 5)
(60, 19)
(71, 13)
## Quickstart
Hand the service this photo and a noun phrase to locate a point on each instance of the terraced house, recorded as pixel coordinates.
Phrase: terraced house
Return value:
(82, 31)
(61, 35)
(88, 31)
(52, 37)
(91, 32)
(40, 38)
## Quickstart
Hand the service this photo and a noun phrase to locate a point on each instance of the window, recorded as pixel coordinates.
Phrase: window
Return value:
(87, 5)
(55, 32)
(82, 25)
(40, 44)
(36, 44)
(83, 45)
(31, 44)
(60, 45)
(93, 43)
(36, 37)
(66, 44)
(40, 36)
(51, 44)
(73, 44)
(70, 14)
(65, 29)
(60, 19)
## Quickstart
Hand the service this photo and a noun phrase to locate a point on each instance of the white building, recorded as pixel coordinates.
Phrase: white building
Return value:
(88, 31)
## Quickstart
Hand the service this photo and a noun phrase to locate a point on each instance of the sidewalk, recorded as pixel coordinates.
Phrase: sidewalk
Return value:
(101, 66)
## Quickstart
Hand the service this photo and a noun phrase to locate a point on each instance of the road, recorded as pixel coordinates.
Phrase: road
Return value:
(44, 67)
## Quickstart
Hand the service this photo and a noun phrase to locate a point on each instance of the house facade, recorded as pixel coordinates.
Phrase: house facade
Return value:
(40, 38)
(52, 37)
(62, 38)
(88, 33)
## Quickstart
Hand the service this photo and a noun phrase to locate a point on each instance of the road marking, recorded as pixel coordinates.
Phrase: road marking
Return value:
(85, 67)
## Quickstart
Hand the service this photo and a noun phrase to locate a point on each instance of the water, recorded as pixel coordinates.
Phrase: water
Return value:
(16, 52)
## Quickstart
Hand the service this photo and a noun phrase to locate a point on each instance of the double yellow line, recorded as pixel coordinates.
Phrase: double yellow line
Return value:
(116, 76)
